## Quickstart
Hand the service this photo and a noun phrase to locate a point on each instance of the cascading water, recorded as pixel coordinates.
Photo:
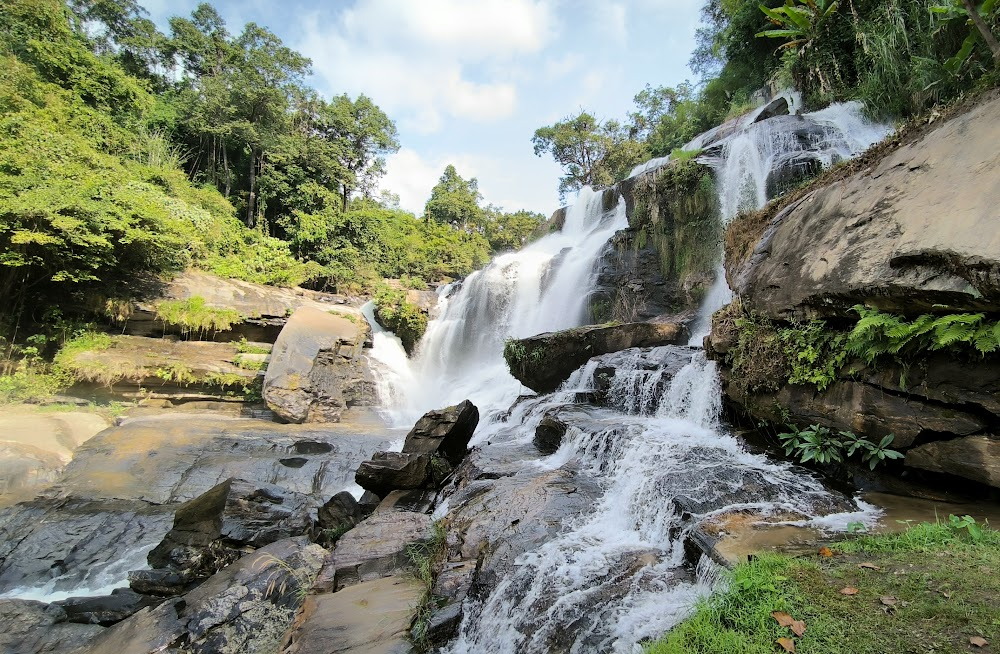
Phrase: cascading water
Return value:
(540, 288)
(663, 463)
(748, 162)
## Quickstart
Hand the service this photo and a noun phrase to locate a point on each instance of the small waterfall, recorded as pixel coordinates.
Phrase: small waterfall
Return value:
(749, 162)
(391, 369)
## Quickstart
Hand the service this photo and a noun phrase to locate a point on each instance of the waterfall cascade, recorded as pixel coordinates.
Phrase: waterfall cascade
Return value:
(617, 574)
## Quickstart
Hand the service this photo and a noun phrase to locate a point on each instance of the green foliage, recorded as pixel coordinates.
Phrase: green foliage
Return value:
(401, 317)
(176, 373)
(759, 360)
(243, 346)
(592, 153)
(454, 201)
(798, 21)
(427, 559)
(879, 334)
(815, 353)
(194, 316)
(820, 444)
(519, 357)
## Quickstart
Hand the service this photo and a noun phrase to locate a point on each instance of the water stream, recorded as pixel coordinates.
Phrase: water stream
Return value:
(663, 461)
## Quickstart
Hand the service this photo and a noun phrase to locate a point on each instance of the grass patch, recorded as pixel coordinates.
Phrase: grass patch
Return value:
(427, 559)
(931, 588)
(194, 316)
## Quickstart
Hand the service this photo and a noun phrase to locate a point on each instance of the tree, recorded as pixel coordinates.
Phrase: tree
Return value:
(367, 135)
(592, 153)
(454, 201)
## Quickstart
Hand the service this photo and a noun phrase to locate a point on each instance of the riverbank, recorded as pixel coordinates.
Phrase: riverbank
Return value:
(931, 588)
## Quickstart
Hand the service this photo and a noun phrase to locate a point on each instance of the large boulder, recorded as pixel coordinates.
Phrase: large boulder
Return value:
(243, 609)
(549, 434)
(378, 547)
(973, 457)
(913, 233)
(389, 471)
(316, 370)
(445, 432)
(369, 618)
(545, 361)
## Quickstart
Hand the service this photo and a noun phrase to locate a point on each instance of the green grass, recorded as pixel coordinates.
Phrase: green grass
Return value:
(194, 316)
(427, 559)
(932, 588)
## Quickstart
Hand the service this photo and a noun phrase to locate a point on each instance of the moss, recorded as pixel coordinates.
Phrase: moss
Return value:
(401, 317)
(194, 316)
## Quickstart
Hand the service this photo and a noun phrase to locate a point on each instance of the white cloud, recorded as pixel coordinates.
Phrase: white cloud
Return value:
(416, 58)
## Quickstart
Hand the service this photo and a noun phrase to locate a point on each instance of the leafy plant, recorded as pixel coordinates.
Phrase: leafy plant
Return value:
(799, 21)
(193, 315)
(820, 444)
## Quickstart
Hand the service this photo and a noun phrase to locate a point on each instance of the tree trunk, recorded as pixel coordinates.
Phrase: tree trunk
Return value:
(345, 191)
(984, 30)
(225, 165)
(252, 199)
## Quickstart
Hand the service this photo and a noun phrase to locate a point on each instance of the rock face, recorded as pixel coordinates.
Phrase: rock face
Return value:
(36, 446)
(545, 361)
(910, 233)
(118, 495)
(369, 618)
(245, 608)
(377, 547)
(914, 232)
(28, 627)
(973, 457)
(264, 308)
(316, 370)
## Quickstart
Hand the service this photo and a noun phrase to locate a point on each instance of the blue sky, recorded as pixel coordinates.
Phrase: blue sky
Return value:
(468, 81)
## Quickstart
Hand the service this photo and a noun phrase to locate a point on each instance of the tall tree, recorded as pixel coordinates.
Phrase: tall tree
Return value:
(591, 153)
(368, 135)
(454, 201)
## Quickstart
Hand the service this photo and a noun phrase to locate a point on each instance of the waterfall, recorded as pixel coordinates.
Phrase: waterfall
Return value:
(748, 162)
(542, 287)
(391, 369)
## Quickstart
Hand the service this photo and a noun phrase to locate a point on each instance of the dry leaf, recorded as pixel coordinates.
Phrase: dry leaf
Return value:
(787, 644)
(784, 620)
(947, 594)
(825, 551)
(799, 628)
(849, 590)
(888, 600)
(869, 566)
(978, 641)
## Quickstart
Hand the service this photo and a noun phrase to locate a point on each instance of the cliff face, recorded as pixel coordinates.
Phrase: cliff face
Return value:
(912, 233)
(665, 261)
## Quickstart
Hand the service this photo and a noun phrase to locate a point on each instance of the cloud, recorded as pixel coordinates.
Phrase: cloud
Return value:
(529, 186)
(419, 60)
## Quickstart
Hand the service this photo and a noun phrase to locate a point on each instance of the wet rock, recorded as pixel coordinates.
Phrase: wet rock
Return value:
(451, 588)
(414, 501)
(973, 457)
(372, 617)
(341, 511)
(65, 541)
(225, 522)
(316, 368)
(368, 502)
(106, 610)
(28, 627)
(375, 548)
(389, 471)
(544, 361)
(168, 582)
(862, 408)
(549, 434)
(176, 457)
(878, 238)
(445, 432)
(245, 608)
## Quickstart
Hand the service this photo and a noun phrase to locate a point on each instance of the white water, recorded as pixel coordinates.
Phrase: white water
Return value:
(748, 158)
(617, 574)
(540, 288)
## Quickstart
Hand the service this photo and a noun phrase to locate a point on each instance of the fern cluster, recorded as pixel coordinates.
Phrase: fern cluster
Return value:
(878, 334)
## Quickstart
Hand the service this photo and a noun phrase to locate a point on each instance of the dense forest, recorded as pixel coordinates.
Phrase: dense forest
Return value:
(127, 153)
(899, 58)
